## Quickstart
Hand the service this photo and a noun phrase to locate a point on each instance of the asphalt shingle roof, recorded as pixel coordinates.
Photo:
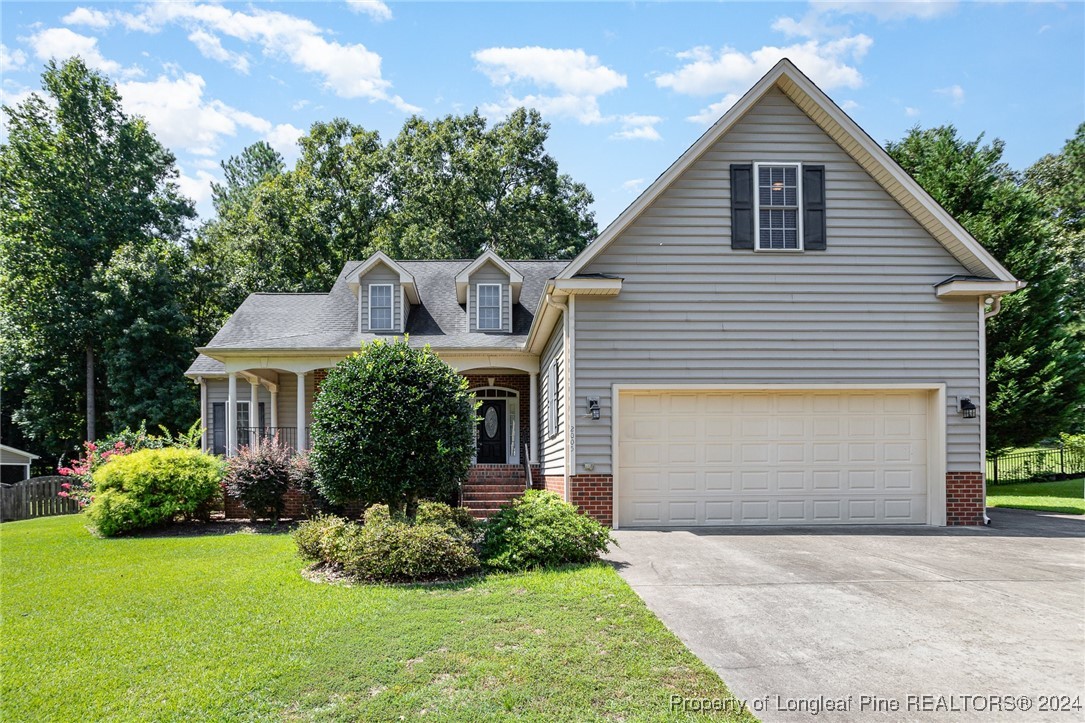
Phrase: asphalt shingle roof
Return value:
(276, 321)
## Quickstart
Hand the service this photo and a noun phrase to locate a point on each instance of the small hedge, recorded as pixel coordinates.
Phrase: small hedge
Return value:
(540, 530)
(259, 476)
(436, 544)
(151, 487)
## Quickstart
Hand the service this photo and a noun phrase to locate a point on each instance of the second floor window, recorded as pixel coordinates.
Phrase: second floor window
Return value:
(778, 194)
(489, 307)
(380, 307)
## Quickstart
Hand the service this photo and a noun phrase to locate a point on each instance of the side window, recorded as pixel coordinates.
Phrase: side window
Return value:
(552, 399)
(778, 216)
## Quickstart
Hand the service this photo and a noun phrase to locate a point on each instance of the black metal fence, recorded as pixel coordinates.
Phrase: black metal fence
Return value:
(287, 436)
(1054, 463)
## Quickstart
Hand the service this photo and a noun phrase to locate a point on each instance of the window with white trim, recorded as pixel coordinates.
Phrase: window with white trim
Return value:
(489, 307)
(552, 399)
(380, 307)
(779, 213)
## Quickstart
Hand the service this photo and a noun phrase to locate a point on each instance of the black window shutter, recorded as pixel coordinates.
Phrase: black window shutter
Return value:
(813, 208)
(262, 424)
(742, 205)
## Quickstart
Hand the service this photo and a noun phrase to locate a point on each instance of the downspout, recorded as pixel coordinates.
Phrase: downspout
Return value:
(985, 314)
(566, 352)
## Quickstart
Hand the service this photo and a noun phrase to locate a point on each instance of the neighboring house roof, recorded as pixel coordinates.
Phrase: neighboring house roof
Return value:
(853, 139)
(312, 322)
(18, 452)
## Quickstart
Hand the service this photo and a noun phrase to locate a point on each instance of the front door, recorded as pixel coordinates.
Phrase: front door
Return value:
(491, 432)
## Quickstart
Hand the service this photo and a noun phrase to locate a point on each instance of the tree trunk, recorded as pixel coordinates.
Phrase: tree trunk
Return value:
(91, 410)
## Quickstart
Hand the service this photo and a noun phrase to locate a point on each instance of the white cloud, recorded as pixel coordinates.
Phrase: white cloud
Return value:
(571, 72)
(299, 104)
(570, 82)
(210, 46)
(375, 9)
(284, 138)
(955, 93)
(182, 118)
(711, 114)
(350, 70)
(88, 17)
(197, 188)
(830, 64)
(638, 127)
(11, 59)
(849, 105)
(910, 111)
(61, 43)
(633, 185)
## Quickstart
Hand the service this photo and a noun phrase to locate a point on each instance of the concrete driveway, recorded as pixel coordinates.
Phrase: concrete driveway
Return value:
(805, 616)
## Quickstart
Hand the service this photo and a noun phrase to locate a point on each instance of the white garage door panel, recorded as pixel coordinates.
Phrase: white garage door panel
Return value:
(724, 458)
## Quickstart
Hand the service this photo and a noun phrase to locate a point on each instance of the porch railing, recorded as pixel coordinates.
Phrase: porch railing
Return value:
(287, 436)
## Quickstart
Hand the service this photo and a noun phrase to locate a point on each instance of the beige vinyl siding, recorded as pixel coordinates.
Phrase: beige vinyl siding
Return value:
(218, 391)
(552, 448)
(692, 311)
(381, 275)
(489, 274)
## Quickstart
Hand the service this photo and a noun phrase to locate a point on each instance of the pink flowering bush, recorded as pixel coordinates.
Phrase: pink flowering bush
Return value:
(81, 470)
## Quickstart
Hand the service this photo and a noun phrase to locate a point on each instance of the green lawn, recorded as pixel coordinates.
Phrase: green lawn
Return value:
(1065, 496)
(224, 627)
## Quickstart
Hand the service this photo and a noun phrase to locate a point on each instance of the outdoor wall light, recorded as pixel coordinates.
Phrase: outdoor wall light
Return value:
(968, 409)
(593, 407)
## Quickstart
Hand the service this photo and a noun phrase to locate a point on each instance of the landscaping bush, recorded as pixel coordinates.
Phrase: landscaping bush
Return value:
(303, 478)
(392, 425)
(540, 530)
(259, 476)
(151, 487)
(391, 548)
(321, 538)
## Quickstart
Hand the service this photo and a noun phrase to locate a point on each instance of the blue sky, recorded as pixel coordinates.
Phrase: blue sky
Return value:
(626, 86)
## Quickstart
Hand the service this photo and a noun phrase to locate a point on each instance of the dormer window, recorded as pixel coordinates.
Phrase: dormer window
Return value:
(380, 307)
(489, 307)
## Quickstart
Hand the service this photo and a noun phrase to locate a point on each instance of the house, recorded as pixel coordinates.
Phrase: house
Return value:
(784, 328)
(14, 464)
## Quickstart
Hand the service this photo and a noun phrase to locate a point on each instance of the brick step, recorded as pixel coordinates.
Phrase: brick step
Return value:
(504, 488)
(491, 495)
(476, 505)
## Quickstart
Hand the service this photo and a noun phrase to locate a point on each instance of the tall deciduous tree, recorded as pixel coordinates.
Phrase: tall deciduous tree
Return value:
(447, 188)
(1035, 358)
(79, 179)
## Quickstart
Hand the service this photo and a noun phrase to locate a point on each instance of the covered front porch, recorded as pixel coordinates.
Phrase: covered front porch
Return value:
(270, 398)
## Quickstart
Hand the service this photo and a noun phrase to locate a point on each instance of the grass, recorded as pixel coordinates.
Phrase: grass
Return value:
(1065, 496)
(224, 627)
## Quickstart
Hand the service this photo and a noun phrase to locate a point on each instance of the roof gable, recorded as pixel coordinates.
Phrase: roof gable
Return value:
(516, 279)
(851, 138)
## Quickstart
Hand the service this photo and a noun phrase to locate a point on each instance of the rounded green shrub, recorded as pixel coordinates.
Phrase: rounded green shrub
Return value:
(390, 548)
(392, 424)
(151, 487)
(259, 476)
(539, 529)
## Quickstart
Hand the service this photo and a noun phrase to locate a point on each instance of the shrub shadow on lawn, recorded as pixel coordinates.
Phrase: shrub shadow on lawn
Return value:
(322, 573)
(217, 526)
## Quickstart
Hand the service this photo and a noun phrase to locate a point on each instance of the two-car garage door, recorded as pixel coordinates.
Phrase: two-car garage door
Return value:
(688, 458)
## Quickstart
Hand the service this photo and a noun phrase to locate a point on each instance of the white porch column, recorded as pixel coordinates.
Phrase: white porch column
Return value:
(301, 411)
(534, 405)
(203, 415)
(254, 406)
(231, 416)
(275, 409)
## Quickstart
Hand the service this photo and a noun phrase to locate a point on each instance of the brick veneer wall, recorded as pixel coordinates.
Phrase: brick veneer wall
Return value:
(297, 506)
(964, 498)
(551, 482)
(520, 383)
(594, 495)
